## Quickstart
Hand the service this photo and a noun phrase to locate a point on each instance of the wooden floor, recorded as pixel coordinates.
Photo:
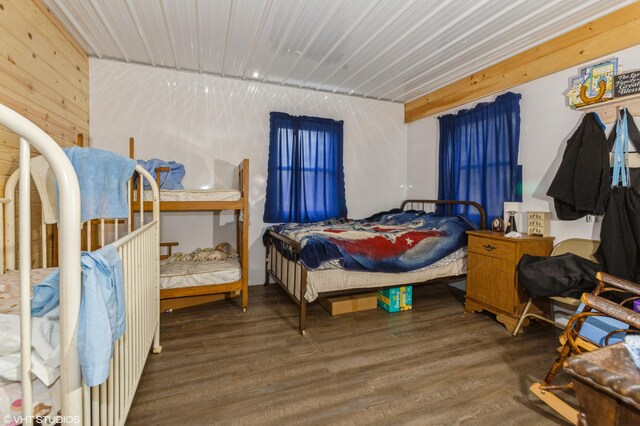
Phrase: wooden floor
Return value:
(433, 365)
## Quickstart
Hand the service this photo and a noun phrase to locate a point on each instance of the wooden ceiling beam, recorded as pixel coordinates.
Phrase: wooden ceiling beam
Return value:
(611, 33)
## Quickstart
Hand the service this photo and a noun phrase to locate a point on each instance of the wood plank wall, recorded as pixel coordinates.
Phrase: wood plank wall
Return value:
(44, 75)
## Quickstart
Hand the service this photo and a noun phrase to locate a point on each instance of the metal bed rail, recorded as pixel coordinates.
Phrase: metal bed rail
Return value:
(139, 249)
(450, 205)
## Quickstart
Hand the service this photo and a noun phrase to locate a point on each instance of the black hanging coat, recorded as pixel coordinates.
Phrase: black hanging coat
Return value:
(619, 250)
(581, 185)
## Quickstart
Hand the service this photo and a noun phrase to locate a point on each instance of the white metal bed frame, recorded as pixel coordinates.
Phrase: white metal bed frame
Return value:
(109, 403)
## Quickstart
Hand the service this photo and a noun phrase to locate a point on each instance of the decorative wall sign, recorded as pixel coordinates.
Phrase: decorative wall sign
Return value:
(602, 85)
(594, 84)
(539, 223)
(626, 84)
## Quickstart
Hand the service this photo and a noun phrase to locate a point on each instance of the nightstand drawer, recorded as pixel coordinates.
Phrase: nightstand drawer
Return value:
(492, 247)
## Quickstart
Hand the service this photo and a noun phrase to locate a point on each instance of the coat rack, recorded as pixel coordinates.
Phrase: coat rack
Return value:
(608, 110)
(608, 113)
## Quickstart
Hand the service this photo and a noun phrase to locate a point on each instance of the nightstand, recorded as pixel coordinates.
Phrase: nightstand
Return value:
(492, 277)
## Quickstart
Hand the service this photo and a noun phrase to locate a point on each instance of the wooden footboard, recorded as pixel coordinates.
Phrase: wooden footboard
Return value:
(291, 275)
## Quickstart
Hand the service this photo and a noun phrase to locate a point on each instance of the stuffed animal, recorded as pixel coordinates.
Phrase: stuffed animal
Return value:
(222, 251)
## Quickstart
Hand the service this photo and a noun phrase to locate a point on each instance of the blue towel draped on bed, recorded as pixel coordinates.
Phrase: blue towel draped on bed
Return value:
(168, 180)
(102, 309)
(103, 177)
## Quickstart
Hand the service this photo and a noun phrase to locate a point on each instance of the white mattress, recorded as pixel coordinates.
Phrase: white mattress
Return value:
(191, 274)
(196, 195)
(45, 357)
(326, 280)
(339, 279)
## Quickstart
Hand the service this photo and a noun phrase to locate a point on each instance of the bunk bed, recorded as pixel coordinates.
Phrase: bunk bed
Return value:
(72, 400)
(285, 259)
(186, 284)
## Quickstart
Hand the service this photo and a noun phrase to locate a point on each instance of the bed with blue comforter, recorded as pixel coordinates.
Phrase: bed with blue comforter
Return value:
(391, 241)
(390, 248)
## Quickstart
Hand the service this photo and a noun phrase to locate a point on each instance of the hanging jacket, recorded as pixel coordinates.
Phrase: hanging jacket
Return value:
(619, 250)
(581, 185)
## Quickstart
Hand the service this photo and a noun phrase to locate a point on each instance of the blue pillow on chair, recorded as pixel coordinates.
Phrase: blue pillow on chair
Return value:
(596, 328)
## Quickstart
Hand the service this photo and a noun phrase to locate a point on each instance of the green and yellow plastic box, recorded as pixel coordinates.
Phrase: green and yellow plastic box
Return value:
(395, 299)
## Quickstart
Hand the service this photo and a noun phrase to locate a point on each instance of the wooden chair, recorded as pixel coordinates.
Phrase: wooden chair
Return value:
(606, 385)
(578, 246)
(574, 343)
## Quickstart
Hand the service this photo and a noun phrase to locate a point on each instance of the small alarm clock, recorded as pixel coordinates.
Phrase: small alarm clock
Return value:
(497, 224)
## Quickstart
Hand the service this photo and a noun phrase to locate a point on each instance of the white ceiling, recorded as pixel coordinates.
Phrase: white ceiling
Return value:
(384, 49)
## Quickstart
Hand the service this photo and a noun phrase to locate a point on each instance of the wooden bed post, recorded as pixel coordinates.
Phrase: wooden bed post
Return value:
(242, 230)
(244, 186)
(159, 171)
(54, 229)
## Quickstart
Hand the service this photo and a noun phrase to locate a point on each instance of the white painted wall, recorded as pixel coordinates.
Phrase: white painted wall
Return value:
(546, 125)
(210, 124)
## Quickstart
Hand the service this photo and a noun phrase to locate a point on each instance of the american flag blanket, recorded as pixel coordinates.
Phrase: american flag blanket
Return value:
(392, 241)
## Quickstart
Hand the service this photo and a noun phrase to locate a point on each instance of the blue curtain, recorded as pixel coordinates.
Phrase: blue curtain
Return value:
(479, 156)
(305, 180)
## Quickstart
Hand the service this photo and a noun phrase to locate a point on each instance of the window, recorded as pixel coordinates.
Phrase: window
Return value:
(479, 155)
(305, 180)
